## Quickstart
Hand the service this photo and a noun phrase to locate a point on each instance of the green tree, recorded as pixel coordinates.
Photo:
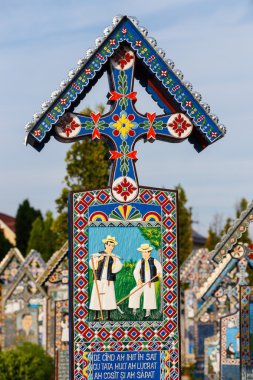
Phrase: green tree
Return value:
(214, 232)
(25, 217)
(36, 235)
(42, 237)
(87, 168)
(27, 362)
(212, 239)
(227, 225)
(5, 245)
(241, 206)
(185, 230)
(153, 235)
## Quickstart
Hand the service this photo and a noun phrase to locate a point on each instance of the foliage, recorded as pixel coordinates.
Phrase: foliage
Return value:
(185, 230)
(42, 238)
(25, 217)
(214, 232)
(5, 245)
(60, 228)
(152, 234)
(243, 204)
(87, 168)
(27, 362)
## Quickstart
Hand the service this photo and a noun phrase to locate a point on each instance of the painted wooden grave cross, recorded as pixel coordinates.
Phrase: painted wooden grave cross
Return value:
(123, 241)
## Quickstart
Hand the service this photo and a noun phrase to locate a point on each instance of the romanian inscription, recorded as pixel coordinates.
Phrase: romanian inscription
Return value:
(126, 365)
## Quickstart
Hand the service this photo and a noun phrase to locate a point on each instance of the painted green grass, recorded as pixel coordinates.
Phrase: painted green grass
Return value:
(125, 282)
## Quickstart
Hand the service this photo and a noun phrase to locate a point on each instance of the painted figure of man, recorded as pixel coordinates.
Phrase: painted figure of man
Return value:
(26, 333)
(65, 331)
(146, 274)
(104, 265)
(230, 351)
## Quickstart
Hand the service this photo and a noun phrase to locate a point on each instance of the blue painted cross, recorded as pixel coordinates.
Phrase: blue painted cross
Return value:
(124, 126)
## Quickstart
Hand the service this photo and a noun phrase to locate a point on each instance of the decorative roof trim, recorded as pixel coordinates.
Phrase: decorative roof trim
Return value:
(53, 263)
(25, 271)
(12, 252)
(65, 97)
(233, 234)
(216, 276)
(191, 261)
(27, 261)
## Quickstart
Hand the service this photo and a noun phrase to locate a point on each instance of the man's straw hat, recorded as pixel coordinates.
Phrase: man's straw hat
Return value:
(144, 248)
(110, 239)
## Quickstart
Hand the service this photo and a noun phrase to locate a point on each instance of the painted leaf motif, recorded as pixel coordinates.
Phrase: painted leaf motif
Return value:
(124, 147)
(124, 167)
(88, 125)
(123, 103)
(145, 125)
(159, 125)
(102, 124)
(123, 82)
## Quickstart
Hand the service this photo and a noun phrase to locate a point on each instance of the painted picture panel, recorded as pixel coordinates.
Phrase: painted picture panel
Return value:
(27, 326)
(230, 347)
(134, 291)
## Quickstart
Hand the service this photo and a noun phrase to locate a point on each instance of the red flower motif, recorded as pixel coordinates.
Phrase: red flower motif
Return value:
(175, 88)
(179, 125)
(112, 42)
(87, 71)
(100, 57)
(213, 134)
(123, 62)
(63, 101)
(150, 59)
(188, 103)
(51, 116)
(75, 86)
(138, 43)
(68, 124)
(124, 30)
(201, 118)
(37, 132)
(125, 188)
(163, 73)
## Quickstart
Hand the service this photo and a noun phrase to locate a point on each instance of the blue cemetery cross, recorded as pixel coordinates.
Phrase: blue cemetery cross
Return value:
(124, 126)
(125, 52)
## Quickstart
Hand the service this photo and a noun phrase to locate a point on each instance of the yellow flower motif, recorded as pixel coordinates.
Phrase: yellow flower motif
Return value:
(123, 125)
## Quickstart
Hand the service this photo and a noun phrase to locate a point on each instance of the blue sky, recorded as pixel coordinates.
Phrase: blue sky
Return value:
(210, 41)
